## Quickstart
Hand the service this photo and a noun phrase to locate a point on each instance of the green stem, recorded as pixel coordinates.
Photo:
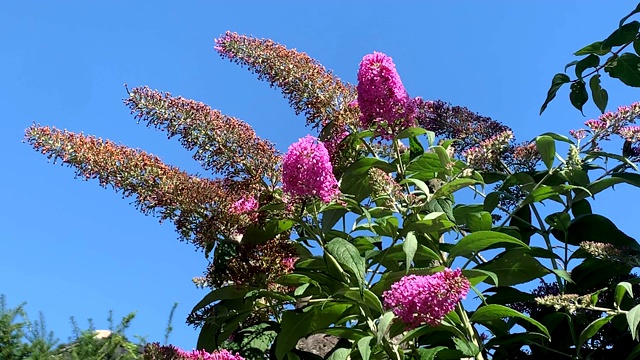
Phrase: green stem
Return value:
(547, 240)
(471, 331)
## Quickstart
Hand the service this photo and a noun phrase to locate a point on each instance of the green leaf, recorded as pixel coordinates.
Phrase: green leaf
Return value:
(578, 95)
(491, 201)
(481, 240)
(547, 149)
(622, 288)
(626, 68)
(383, 325)
(635, 353)
(365, 297)
(258, 234)
(636, 46)
(330, 218)
(453, 186)
(635, 11)
(514, 267)
(598, 154)
(593, 227)
(415, 148)
(433, 222)
(340, 354)
(427, 166)
(355, 180)
(633, 318)
(600, 95)
(410, 132)
(409, 246)
(364, 347)
(419, 184)
(476, 276)
(256, 339)
(557, 81)
(495, 312)
(224, 293)
(580, 207)
(348, 255)
(573, 63)
(564, 274)
(467, 348)
(297, 324)
(590, 61)
(479, 221)
(623, 35)
(593, 48)
(593, 272)
(558, 137)
(429, 354)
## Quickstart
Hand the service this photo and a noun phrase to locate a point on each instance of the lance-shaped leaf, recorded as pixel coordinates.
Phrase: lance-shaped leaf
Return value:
(348, 256)
(557, 81)
(599, 95)
(481, 240)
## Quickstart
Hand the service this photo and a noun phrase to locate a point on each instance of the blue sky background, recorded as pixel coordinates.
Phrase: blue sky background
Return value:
(70, 247)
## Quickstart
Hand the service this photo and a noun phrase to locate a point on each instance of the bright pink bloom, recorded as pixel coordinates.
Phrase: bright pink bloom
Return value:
(289, 263)
(243, 206)
(307, 171)
(203, 355)
(421, 300)
(382, 98)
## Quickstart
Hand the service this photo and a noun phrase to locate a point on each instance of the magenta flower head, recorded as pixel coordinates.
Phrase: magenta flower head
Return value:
(221, 354)
(307, 171)
(382, 98)
(421, 300)
(243, 206)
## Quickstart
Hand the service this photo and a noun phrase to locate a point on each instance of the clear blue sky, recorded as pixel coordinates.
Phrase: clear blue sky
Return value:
(69, 247)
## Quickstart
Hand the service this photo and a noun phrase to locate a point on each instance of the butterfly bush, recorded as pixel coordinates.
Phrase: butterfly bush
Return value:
(307, 171)
(426, 299)
(382, 98)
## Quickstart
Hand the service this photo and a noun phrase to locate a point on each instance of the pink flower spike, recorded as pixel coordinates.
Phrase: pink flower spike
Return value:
(382, 98)
(421, 300)
(307, 171)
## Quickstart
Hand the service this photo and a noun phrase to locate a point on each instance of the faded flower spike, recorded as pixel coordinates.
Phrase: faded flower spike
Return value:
(610, 252)
(571, 302)
(488, 152)
(307, 171)
(427, 299)
(382, 98)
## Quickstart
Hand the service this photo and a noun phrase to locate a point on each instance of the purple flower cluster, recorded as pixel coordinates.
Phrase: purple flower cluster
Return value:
(382, 98)
(307, 171)
(421, 300)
